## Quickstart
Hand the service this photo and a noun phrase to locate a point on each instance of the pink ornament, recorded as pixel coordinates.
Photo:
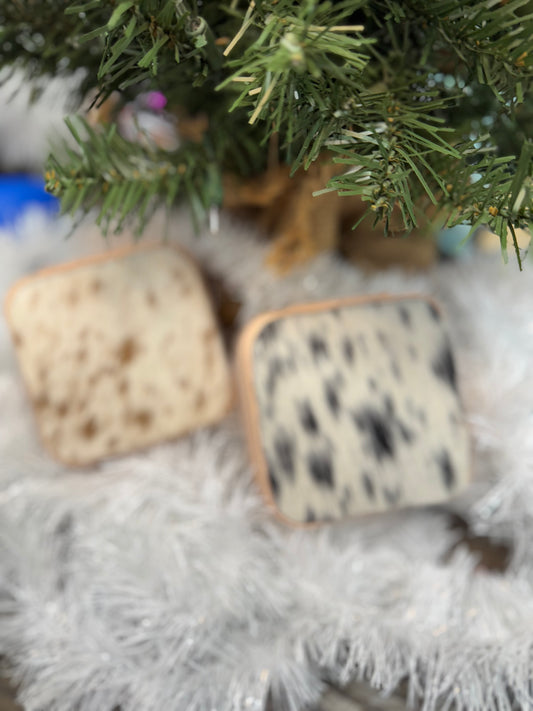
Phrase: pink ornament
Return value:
(155, 100)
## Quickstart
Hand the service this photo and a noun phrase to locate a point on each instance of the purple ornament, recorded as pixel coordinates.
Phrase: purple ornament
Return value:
(155, 100)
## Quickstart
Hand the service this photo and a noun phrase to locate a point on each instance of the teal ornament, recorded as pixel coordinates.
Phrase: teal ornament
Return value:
(453, 242)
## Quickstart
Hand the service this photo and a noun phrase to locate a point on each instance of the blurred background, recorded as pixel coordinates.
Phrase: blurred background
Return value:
(31, 117)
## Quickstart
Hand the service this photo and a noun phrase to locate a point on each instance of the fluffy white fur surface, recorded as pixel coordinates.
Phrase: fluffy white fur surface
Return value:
(160, 582)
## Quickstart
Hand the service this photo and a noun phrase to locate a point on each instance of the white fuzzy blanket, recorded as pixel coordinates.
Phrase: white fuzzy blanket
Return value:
(159, 582)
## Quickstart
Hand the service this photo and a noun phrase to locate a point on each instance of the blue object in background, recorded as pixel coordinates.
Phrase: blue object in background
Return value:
(451, 241)
(20, 192)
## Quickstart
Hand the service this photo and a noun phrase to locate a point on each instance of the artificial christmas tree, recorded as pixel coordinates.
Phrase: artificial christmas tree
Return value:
(421, 105)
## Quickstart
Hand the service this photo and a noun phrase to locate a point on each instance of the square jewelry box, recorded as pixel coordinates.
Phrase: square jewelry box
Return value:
(351, 407)
(119, 351)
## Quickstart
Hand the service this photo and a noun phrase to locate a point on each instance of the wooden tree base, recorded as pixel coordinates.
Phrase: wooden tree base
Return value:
(302, 225)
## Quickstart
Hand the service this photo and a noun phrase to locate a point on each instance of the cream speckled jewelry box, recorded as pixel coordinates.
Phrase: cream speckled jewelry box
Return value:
(118, 352)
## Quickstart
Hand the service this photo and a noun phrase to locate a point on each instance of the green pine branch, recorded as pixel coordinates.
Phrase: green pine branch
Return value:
(302, 55)
(119, 43)
(39, 36)
(141, 38)
(129, 182)
(489, 41)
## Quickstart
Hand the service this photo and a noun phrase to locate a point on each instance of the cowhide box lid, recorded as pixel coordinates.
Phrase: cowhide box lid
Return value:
(352, 407)
(119, 351)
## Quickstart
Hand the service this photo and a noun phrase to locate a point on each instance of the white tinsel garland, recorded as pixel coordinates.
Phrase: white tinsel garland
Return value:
(160, 581)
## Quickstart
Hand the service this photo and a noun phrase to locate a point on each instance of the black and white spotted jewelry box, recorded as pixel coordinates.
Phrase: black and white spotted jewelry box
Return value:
(351, 407)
